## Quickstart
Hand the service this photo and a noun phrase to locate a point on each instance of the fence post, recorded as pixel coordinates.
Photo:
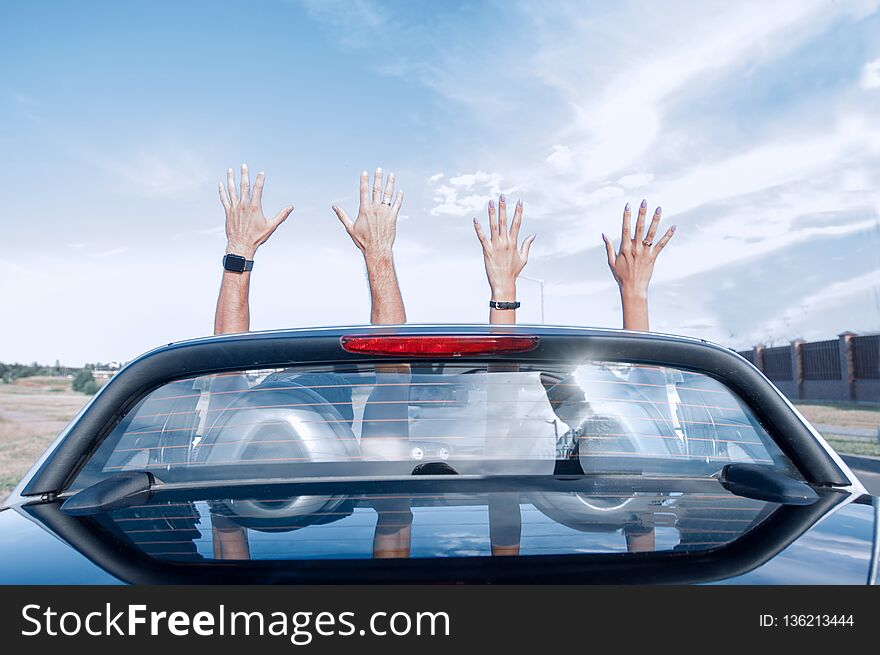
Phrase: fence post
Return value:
(797, 364)
(847, 363)
(758, 357)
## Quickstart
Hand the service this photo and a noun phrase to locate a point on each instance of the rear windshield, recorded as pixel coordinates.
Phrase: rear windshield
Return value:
(394, 419)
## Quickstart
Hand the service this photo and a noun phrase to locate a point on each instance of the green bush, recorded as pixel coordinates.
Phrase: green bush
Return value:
(82, 378)
(90, 388)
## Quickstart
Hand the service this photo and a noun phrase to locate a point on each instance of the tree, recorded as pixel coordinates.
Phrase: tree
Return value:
(90, 388)
(83, 378)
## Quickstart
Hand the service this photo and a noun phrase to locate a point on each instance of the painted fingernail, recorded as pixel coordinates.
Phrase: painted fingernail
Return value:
(626, 208)
(519, 203)
(501, 198)
(657, 211)
(491, 204)
(364, 173)
(672, 229)
(644, 204)
(378, 169)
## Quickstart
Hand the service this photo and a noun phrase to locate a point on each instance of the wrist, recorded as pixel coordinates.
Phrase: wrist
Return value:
(504, 292)
(247, 252)
(378, 259)
(628, 294)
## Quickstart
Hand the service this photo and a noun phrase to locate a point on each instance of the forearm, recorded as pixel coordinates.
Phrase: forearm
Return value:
(233, 312)
(503, 293)
(635, 310)
(386, 301)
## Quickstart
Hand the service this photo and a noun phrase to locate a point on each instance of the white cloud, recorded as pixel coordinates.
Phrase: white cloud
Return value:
(561, 158)
(466, 193)
(871, 75)
(635, 180)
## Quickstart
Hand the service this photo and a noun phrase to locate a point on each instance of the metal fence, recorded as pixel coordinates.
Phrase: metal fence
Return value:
(866, 357)
(821, 360)
(777, 363)
(846, 369)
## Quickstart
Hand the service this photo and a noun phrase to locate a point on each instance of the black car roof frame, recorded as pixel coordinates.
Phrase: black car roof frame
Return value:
(260, 350)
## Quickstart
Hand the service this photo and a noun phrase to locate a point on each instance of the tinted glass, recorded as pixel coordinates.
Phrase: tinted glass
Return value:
(383, 420)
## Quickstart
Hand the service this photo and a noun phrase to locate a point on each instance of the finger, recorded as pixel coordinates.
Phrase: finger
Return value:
(230, 187)
(625, 232)
(245, 184)
(479, 230)
(640, 225)
(389, 189)
(377, 186)
(655, 223)
(662, 243)
(398, 201)
(365, 188)
(281, 216)
(502, 217)
(517, 221)
(224, 199)
(609, 249)
(258, 188)
(344, 219)
(526, 246)
(493, 222)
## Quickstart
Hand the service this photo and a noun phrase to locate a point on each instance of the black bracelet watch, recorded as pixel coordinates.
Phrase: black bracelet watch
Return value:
(504, 305)
(237, 263)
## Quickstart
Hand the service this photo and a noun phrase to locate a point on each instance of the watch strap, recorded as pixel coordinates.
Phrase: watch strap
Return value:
(495, 304)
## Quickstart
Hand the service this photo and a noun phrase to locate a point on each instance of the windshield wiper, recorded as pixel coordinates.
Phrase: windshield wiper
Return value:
(765, 483)
(118, 491)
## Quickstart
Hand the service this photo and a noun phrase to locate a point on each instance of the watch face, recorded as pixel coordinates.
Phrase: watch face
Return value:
(234, 263)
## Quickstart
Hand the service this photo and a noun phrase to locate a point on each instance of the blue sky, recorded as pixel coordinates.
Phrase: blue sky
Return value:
(754, 125)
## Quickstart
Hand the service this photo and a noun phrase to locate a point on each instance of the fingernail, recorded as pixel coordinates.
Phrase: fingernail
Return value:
(626, 208)
(519, 203)
(491, 204)
(260, 174)
(378, 169)
(364, 173)
(603, 237)
(673, 228)
(657, 211)
(644, 204)
(501, 198)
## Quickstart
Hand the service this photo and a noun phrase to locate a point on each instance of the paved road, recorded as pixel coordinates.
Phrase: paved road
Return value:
(867, 469)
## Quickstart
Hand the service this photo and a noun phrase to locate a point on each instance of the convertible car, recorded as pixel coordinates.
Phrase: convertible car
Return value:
(439, 454)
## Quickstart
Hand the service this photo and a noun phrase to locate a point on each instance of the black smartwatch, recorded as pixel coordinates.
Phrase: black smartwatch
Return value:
(504, 305)
(237, 263)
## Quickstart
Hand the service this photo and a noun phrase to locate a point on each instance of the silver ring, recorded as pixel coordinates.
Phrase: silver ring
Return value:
(647, 243)
(386, 202)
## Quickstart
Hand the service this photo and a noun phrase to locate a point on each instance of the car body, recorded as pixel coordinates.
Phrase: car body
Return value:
(597, 456)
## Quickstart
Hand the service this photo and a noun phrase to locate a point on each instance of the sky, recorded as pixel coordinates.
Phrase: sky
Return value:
(754, 125)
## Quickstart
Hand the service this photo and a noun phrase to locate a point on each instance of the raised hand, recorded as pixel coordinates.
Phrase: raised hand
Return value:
(375, 228)
(633, 264)
(503, 256)
(246, 226)
(373, 232)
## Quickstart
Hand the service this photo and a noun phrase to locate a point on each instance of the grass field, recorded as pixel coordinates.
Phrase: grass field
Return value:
(32, 413)
(34, 410)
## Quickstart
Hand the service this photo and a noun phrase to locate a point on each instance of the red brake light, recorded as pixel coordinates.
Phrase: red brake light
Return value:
(438, 346)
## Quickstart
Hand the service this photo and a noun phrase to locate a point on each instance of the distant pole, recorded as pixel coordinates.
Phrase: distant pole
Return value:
(541, 283)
